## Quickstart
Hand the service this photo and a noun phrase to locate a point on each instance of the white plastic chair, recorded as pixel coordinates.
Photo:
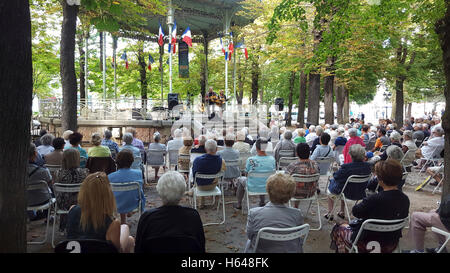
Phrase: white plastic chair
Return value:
(172, 158)
(251, 191)
(59, 189)
(217, 191)
(407, 154)
(52, 168)
(129, 186)
(378, 225)
(357, 179)
(41, 185)
(243, 157)
(326, 161)
(302, 178)
(282, 234)
(443, 233)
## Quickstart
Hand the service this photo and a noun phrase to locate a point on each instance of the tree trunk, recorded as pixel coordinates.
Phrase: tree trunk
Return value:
(346, 110)
(340, 101)
(314, 98)
(408, 113)
(394, 106)
(443, 30)
(143, 75)
(302, 99)
(291, 93)
(328, 88)
(67, 67)
(399, 102)
(255, 80)
(80, 42)
(16, 87)
(241, 81)
(161, 72)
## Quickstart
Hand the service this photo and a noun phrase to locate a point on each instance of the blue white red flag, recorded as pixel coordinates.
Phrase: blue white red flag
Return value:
(186, 37)
(124, 57)
(161, 36)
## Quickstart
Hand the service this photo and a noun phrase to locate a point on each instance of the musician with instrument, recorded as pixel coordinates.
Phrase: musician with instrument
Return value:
(210, 100)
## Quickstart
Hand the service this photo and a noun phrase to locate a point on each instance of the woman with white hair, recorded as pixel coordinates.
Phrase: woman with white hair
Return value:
(156, 161)
(66, 135)
(240, 145)
(263, 133)
(353, 139)
(46, 145)
(170, 221)
(357, 166)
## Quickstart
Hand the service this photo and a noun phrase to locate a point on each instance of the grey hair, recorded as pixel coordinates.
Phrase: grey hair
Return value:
(96, 139)
(31, 149)
(210, 146)
(357, 152)
(394, 152)
(157, 137)
(240, 136)
(438, 130)
(395, 136)
(47, 139)
(171, 187)
(407, 133)
(352, 132)
(288, 135)
(312, 128)
(66, 134)
(319, 130)
(264, 132)
(128, 138)
(108, 134)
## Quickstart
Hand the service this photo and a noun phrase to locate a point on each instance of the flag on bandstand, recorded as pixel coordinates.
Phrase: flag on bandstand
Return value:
(161, 36)
(173, 41)
(242, 45)
(124, 57)
(186, 37)
(230, 46)
(150, 61)
(221, 45)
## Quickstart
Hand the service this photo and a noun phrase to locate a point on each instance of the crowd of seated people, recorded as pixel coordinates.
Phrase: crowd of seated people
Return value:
(308, 144)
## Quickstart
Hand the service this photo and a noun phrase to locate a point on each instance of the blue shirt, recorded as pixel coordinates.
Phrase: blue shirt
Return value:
(259, 164)
(127, 201)
(136, 153)
(206, 164)
(113, 147)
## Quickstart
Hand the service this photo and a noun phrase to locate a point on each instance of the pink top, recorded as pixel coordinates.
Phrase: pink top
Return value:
(350, 142)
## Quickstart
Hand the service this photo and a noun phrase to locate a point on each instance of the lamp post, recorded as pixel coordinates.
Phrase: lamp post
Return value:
(387, 97)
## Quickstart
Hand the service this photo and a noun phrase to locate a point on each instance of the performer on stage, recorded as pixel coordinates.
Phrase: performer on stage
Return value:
(210, 100)
(221, 102)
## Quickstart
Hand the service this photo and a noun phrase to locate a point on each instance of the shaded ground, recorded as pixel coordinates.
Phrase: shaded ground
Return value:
(231, 237)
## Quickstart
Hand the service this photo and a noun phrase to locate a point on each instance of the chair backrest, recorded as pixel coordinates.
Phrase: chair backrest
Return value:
(172, 244)
(407, 155)
(325, 163)
(137, 162)
(195, 155)
(156, 154)
(85, 246)
(256, 181)
(282, 234)
(59, 188)
(306, 178)
(173, 157)
(243, 157)
(285, 161)
(338, 151)
(357, 179)
(39, 185)
(233, 168)
(186, 158)
(378, 225)
(52, 168)
(218, 175)
(286, 153)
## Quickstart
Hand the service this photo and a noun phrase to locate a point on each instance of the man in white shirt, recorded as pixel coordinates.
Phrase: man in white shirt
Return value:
(433, 147)
(311, 135)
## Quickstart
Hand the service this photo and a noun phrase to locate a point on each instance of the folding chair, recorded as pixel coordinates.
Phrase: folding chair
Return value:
(52, 168)
(407, 154)
(232, 164)
(420, 144)
(303, 178)
(256, 188)
(282, 234)
(356, 179)
(41, 185)
(60, 189)
(285, 154)
(443, 233)
(85, 246)
(326, 161)
(217, 191)
(337, 152)
(129, 186)
(172, 158)
(435, 157)
(243, 157)
(283, 162)
(438, 185)
(378, 225)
